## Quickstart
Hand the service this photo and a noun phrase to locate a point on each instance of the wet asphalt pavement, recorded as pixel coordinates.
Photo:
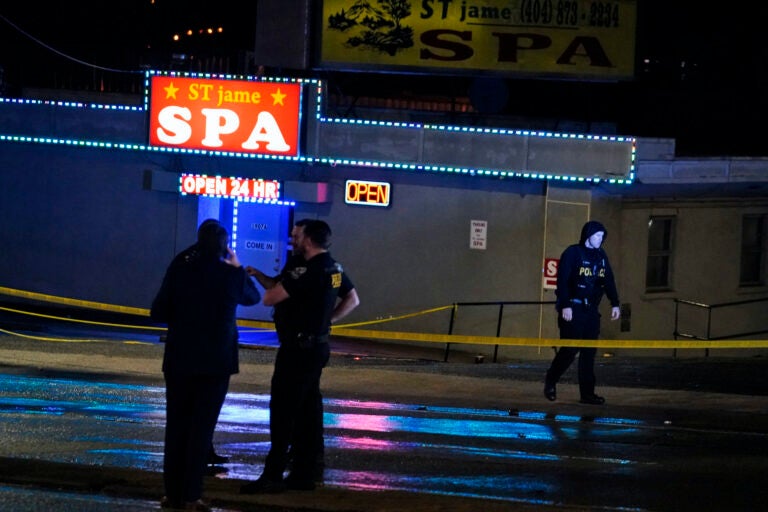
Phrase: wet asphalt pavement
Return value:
(718, 401)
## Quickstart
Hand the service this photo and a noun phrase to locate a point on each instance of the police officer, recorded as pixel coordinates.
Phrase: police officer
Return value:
(348, 300)
(583, 275)
(306, 302)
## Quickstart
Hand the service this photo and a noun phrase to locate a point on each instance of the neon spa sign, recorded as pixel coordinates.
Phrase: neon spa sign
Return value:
(233, 188)
(225, 115)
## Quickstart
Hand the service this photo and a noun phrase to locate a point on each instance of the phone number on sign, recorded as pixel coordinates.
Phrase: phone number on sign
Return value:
(230, 187)
(561, 13)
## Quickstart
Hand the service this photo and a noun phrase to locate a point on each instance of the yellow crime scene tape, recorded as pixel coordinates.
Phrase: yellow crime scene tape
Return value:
(348, 330)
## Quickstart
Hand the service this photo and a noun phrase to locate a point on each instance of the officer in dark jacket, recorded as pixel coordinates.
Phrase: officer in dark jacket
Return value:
(198, 300)
(583, 276)
(348, 300)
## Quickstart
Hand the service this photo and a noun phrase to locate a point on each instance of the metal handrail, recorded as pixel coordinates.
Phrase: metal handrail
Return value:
(501, 305)
(709, 308)
(734, 303)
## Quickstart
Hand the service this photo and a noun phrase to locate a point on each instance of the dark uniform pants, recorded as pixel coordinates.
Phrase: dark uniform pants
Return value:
(585, 325)
(294, 421)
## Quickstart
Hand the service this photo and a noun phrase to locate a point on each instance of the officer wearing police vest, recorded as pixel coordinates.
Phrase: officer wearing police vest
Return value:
(583, 276)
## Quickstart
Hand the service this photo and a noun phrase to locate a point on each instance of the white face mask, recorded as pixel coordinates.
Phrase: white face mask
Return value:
(595, 241)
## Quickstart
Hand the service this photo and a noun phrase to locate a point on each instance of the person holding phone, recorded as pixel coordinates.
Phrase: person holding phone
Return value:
(214, 459)
(198, 300)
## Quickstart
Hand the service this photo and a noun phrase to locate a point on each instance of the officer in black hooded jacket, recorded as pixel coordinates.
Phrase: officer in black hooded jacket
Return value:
(583, 276)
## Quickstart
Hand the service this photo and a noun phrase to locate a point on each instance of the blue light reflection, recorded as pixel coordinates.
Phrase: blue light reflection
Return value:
(128, 423)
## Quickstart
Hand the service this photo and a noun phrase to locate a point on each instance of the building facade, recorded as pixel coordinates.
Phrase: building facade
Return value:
(94, 212)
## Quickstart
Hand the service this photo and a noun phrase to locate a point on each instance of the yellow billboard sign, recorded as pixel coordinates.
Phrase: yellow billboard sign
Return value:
(588, 39)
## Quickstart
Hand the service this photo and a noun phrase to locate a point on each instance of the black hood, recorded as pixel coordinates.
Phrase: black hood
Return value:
(589, 229)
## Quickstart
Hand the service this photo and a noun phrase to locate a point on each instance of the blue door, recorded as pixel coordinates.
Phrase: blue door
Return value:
(259, 234)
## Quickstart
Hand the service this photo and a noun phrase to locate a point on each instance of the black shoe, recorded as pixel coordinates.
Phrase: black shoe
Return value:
(296, 483)
(592, 400)
(550, 391)
(215, 459)
(264, 486)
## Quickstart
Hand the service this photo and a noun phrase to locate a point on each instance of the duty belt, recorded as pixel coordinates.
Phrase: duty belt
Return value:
(581, 301)
(310, 340)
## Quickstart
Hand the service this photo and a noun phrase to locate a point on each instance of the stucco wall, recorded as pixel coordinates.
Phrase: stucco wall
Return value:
(101, 224)
(707, 243)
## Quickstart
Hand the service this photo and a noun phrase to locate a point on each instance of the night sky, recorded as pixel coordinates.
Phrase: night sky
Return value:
(701, 75)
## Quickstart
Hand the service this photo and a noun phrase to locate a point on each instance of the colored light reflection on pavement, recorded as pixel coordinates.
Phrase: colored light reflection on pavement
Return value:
(475, 486)
(122, 425)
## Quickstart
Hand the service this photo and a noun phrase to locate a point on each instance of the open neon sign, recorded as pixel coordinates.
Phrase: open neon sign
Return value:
(372, 193)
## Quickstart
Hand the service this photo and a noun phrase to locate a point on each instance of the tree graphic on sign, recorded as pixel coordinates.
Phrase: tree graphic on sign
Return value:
(375, 28)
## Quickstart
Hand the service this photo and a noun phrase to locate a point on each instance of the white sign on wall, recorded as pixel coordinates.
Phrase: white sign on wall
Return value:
(478, 234)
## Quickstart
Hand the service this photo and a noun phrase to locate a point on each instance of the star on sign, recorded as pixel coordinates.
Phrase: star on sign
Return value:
(170, 91)
(278, 97)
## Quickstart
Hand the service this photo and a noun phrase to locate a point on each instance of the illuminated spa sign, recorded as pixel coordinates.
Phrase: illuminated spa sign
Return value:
(592, 39)
(371, 193)
(225, 115)
(233, 188)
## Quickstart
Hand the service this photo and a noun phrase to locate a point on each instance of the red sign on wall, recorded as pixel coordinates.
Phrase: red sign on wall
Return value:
(234, 188)
(549, 281)
(225, 115)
